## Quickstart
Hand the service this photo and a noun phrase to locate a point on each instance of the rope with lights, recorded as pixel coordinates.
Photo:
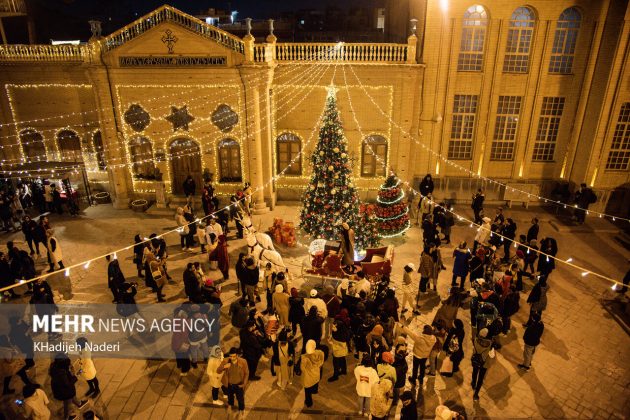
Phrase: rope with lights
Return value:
(86, 263)
(438, 155)
(568, 262)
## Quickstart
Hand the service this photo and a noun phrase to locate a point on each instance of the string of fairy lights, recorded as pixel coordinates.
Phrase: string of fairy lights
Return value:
(569, 261)
(85, 264)
(438, 155)
(313, 74)
(218, 99)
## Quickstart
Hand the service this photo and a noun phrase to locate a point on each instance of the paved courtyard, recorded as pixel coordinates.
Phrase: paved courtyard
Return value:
(581, 369)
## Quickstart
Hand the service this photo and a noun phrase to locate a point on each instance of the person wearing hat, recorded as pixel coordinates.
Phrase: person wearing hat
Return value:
(483, 353)
(215, 378)
(311, 362)
(280, 302)
(385, 368)
(483, 233)
(347, 245)
(409, 410)
(251, 275)
(235, 377)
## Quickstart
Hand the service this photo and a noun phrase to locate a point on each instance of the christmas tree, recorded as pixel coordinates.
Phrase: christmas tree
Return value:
(368, 234)
(331, 198)
(391, 209)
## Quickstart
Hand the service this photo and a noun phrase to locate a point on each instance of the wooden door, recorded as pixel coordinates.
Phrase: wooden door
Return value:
(185, 160)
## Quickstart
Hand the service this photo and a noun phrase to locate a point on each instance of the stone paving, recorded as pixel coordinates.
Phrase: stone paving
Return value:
(580, 370)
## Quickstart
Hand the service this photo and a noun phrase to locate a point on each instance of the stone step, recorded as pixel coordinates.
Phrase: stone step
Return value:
(624, 239)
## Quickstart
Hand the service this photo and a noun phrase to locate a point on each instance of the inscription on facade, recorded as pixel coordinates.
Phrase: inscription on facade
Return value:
(170, 61)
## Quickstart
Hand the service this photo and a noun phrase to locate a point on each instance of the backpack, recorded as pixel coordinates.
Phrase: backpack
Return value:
(453, 345)
(486, 315)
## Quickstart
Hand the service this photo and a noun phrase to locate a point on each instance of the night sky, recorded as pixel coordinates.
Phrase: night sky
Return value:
(67, 19)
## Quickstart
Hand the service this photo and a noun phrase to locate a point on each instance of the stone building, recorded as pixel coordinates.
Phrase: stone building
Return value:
(530, 95)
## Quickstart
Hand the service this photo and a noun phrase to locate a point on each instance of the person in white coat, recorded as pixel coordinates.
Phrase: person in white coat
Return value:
(216, 357)
(483, 233)
(36, 402)
(54, 251)
(366, 376)
(85, 367)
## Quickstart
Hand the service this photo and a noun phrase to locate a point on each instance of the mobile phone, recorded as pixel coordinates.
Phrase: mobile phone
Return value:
(19, 402)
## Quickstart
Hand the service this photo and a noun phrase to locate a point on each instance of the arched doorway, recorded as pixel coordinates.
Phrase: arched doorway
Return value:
(185, 160)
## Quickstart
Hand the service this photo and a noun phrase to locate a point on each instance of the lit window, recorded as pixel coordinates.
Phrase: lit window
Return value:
(473, 37)
(374, 156)
(520, 35)
(70, 146)
(619, 155)
(142, 157)
(288, 154)
(563, 50)
(548, 126)
(462, 127)
(505, 128)
(32, 145)
(229, 161)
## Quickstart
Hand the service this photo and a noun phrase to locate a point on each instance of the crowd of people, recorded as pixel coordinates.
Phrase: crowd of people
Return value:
(306, 336)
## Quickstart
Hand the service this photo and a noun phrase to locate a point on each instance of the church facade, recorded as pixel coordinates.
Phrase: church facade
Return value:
(523, 95)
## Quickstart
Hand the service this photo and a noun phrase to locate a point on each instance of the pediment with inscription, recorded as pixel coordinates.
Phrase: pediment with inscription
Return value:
(171, 44)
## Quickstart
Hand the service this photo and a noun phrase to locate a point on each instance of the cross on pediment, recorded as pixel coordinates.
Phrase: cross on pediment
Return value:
(169, 39)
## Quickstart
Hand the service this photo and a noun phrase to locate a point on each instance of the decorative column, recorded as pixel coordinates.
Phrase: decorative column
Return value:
(113, 140)
(412, 43)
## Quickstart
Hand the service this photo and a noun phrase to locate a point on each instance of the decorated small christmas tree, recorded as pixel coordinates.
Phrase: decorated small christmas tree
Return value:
(367, 232)
(392, 212)
(330, 197)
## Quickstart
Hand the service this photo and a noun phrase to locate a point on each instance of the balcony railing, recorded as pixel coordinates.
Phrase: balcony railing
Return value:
(259, 53)
(344, 52)
(167, 13)
(51, 53)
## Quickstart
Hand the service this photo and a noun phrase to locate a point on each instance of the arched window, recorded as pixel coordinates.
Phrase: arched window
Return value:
(564, 41)
(374, 156)
(99, 152)
(473, 38)
(519, 42)
(229, 161)
(288, 152)
(32, 145)
(142, 157)
(69, 144)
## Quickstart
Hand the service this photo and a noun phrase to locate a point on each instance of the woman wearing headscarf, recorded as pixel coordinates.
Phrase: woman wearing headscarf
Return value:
(339, 341)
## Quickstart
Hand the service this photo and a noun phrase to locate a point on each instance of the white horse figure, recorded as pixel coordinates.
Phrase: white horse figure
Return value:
(261, 254)
(262, 238)
(259, 244)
